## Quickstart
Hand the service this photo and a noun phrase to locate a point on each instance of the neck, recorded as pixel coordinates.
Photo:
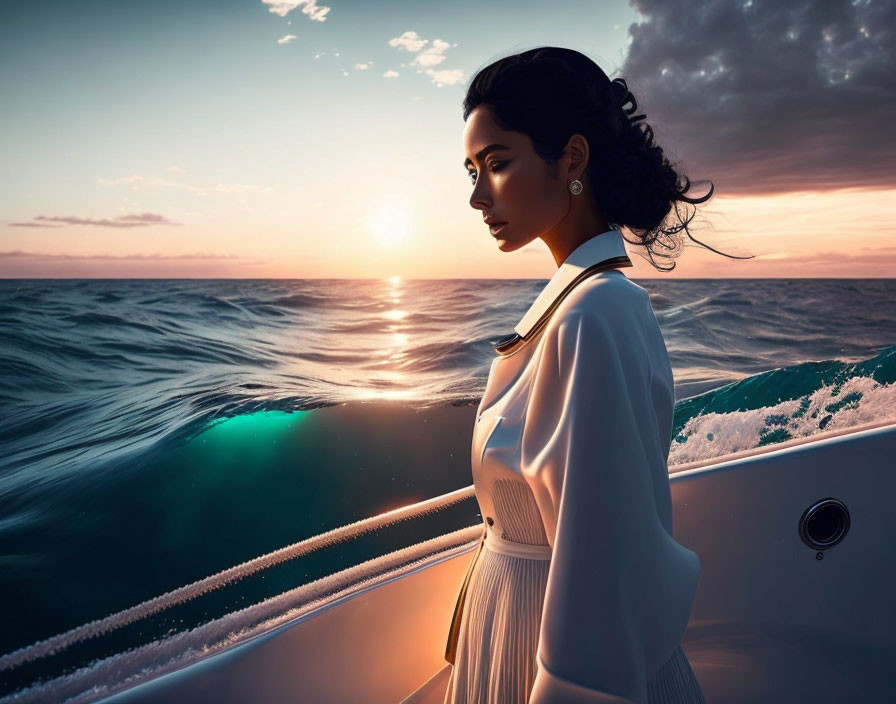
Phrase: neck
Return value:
(563, 248)
(580, 225)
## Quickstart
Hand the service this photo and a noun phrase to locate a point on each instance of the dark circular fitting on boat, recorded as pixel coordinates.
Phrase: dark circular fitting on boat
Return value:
(824, 524)
(491, 521)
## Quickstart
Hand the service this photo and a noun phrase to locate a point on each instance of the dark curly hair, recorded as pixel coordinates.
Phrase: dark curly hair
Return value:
(551, 93)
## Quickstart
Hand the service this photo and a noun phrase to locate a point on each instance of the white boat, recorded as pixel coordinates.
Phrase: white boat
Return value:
(793, 604)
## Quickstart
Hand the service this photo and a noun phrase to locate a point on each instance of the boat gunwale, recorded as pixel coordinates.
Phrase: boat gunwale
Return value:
(823, 437)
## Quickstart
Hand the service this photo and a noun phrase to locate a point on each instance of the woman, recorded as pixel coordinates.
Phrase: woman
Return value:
(578, 594)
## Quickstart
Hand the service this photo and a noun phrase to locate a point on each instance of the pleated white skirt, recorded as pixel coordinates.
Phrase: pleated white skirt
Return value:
(499, 630)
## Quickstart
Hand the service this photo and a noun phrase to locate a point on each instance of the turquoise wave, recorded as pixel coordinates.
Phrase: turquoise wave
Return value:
(783, 404)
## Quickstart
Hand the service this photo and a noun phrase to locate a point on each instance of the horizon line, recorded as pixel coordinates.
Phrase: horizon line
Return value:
(441, 278)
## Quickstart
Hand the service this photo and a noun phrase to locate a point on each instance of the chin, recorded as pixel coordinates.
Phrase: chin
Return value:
(507, 245)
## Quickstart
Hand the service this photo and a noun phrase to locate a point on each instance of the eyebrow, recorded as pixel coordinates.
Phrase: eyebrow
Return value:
(484, 153)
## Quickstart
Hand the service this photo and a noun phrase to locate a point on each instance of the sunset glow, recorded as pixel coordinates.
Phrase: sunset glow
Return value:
(327, 145)
(390, 226)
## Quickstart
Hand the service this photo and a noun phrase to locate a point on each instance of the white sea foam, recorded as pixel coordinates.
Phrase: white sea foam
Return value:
(858, 401)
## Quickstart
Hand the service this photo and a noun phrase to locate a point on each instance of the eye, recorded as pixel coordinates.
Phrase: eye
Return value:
(493, 167)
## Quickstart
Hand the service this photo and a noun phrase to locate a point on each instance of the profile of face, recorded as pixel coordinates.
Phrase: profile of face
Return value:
(512, 183)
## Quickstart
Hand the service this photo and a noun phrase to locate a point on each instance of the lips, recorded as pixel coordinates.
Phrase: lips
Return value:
(496, 227)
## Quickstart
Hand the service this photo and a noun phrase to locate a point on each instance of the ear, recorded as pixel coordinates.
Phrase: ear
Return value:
(578, 153)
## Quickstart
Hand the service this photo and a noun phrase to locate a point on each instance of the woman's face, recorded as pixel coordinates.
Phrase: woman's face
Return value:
(511, 183)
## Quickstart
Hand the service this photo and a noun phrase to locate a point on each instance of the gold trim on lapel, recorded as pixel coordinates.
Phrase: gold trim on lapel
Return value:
(599, 253)
(512, 343)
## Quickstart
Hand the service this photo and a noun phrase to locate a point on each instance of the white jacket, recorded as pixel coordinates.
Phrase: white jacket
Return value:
(581, 407)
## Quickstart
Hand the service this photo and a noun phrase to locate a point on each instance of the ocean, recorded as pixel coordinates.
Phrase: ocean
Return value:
(154, 432)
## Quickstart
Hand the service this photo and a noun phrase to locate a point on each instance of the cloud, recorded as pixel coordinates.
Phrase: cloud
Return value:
(887, 248)
(31, 224)
(427, 57)
(18, 254)
(433, 55)
(364, 67)
(410, 41)
(287, 39)
(137, 182)
(769, 97)
(447, 76)
(390, 74)
(309, 7)
(844, 260)
(873, 263)
(136, 220)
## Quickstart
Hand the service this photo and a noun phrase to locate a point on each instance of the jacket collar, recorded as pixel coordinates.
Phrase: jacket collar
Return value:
(601, 252)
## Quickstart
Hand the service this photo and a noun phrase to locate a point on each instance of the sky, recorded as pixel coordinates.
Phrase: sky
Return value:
(288, 139)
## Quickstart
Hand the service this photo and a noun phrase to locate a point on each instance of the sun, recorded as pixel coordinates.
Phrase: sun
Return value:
(390, 224)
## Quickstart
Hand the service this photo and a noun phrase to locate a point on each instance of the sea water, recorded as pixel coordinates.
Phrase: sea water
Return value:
(154, 432)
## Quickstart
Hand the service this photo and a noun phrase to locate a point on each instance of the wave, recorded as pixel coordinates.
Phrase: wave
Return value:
(783, 404)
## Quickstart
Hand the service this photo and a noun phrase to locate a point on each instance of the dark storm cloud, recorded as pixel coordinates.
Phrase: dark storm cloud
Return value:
(769, 96)
(136, 220)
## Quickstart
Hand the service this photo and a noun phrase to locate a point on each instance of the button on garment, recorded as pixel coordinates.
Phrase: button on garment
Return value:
(580, 592)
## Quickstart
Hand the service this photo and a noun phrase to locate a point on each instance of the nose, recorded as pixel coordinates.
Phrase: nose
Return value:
(479, 199)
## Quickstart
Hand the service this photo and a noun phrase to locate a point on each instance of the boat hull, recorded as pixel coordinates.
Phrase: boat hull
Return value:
(774, 619)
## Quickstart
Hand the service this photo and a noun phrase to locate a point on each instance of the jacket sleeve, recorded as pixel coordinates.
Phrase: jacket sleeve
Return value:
(620, 588)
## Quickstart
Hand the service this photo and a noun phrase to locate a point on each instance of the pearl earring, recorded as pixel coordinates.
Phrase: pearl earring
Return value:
(575, 187)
